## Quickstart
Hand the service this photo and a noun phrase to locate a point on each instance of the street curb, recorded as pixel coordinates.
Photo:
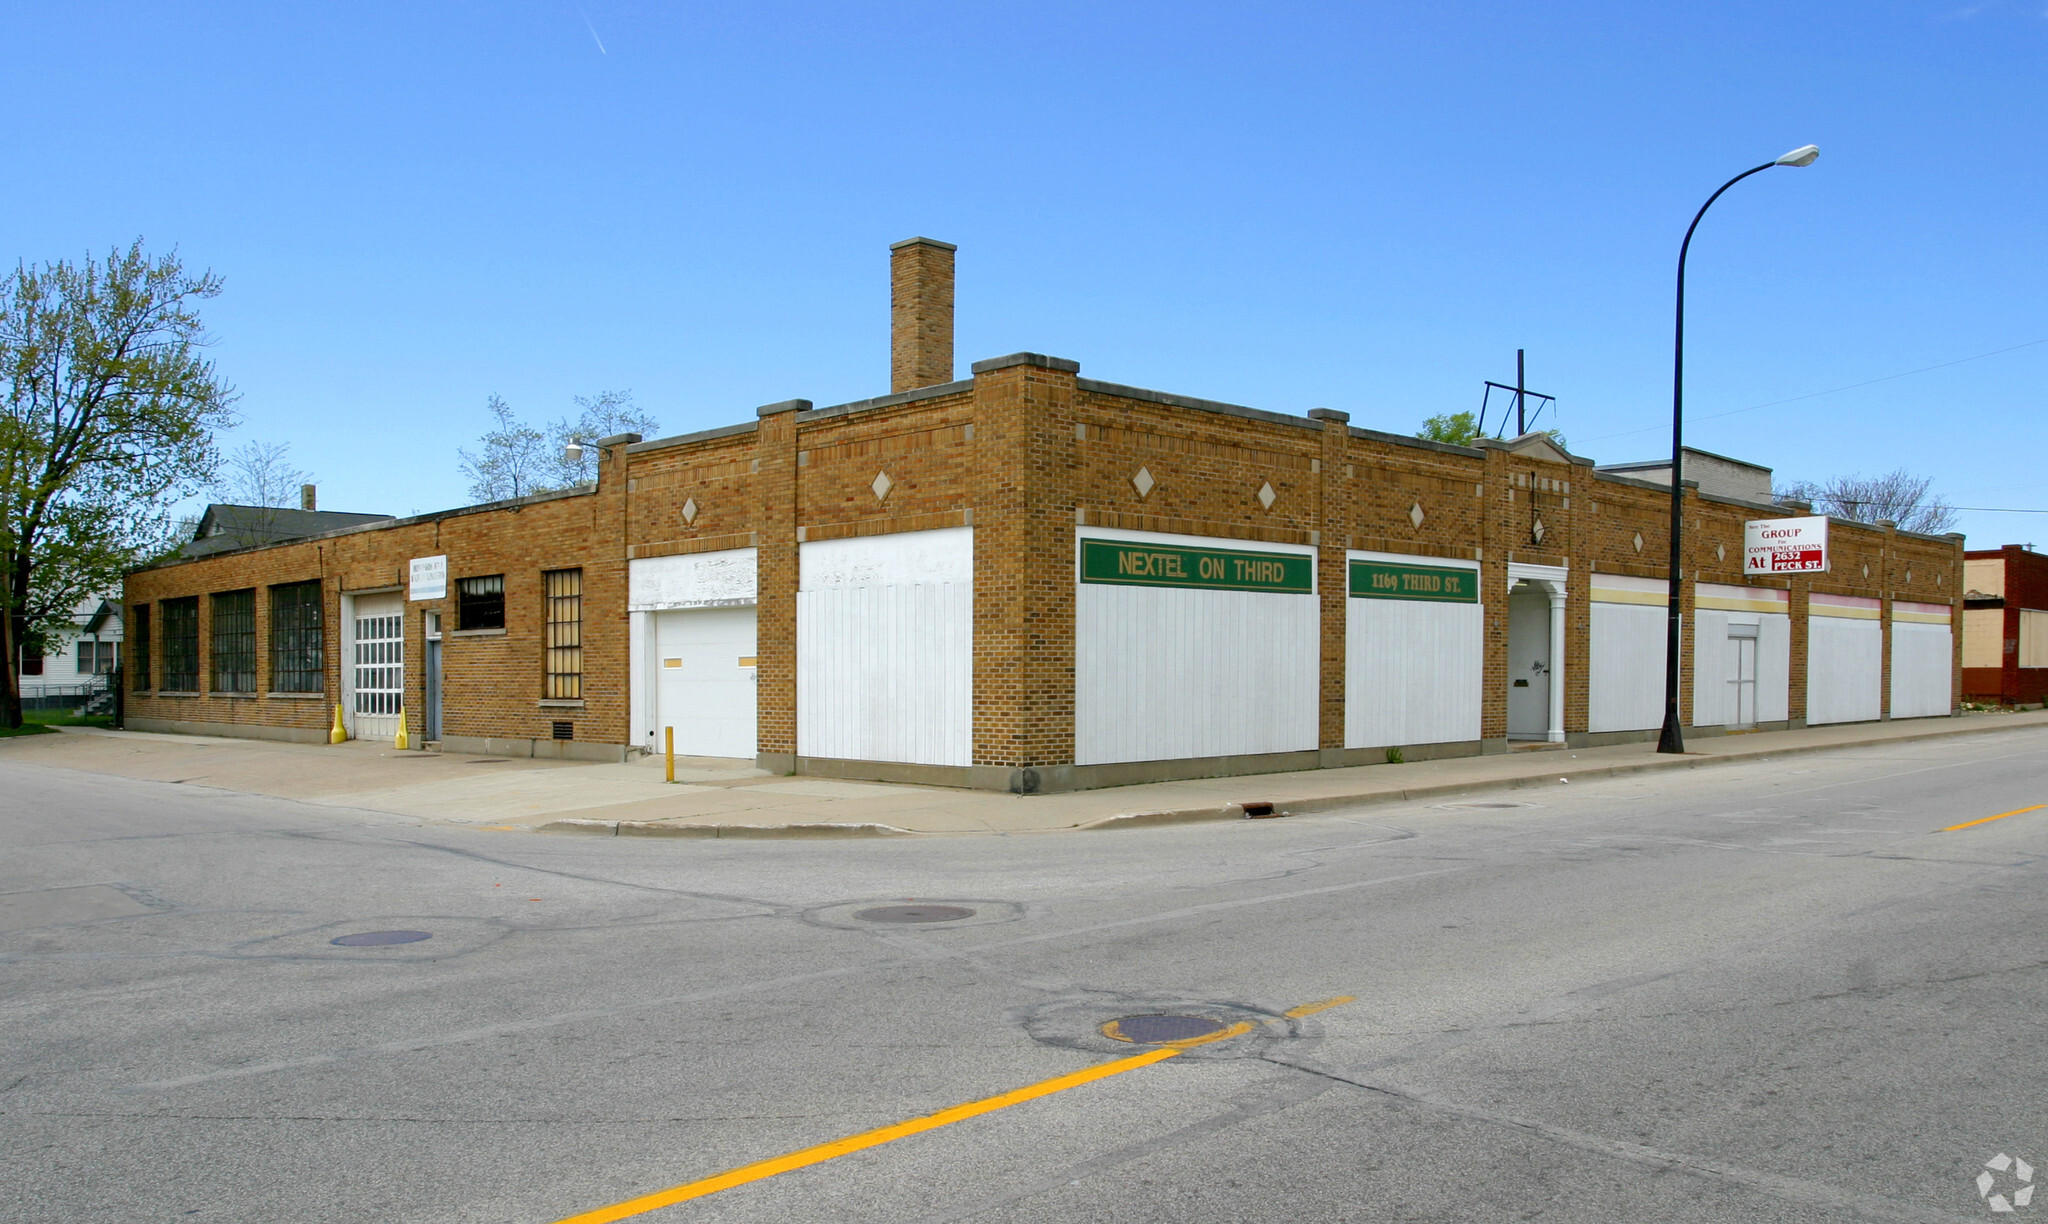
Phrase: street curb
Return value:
(1306, 806)
(1146, 820)
(653, 828)
(1565, 774)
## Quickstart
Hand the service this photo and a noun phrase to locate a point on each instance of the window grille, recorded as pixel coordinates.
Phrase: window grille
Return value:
(564, 664)
(480, 602)
(234, 642)
(380, 664)
(298, 662)
(138, 647)
(181, 644)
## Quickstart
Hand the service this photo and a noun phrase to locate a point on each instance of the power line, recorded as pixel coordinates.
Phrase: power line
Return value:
(1715, 416)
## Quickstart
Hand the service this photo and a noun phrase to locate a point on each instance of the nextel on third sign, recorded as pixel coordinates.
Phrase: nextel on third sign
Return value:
(1785, 546)
(1129, 563)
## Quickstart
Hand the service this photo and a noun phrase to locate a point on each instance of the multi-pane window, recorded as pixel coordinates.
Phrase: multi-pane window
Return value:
(297, 664)
(181, 644)
(234, 642)
(94, 658)
(480, 602)
(32, 659)
(564, 678)
(138, 647)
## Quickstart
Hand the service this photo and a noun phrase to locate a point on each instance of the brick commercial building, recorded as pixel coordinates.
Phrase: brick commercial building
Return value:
(2005, 626)
(1028, 580)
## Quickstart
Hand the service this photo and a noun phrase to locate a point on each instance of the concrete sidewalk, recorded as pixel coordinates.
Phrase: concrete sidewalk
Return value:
(726, 798)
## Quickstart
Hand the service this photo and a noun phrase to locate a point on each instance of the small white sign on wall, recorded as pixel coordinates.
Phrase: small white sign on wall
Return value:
(429, 578)
(1785, 546)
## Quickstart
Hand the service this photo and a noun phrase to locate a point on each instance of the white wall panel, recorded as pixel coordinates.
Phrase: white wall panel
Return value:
(1713, 700)
(1922, 658)
(1625, 672)
(1414, 671)
(1163, 674)
(885, 648)
(697, 580)
(1844, 670)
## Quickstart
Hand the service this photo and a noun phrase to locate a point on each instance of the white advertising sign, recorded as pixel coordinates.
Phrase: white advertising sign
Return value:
(1785, 546)
(429, 578)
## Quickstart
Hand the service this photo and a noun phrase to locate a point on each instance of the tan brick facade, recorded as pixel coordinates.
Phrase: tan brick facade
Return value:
(1023, 452)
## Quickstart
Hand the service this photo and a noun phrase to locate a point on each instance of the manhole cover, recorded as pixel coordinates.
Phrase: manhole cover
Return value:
(915, 913)
(379, 939)
(1158, 1030)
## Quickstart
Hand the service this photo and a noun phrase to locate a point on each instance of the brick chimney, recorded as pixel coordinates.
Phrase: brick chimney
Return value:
(306, 499)
(920, 313)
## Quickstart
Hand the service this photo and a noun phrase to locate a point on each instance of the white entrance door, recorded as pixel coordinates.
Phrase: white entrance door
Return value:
(1528, 662)
(1742, 678)
(378, 667)
(704, 687)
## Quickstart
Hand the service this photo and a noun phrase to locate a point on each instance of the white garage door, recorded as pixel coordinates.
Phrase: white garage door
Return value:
(376, 674)
(704, 664)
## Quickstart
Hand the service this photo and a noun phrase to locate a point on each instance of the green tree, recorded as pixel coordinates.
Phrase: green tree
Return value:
(1456, 428)
(1462, 429)
(107, 412)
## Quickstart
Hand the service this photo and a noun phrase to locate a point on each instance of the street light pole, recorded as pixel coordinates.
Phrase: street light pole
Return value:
(1673, 738)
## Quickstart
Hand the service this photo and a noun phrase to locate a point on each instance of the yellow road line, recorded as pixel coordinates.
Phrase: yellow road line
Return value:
(762, 1169)
(1310, 1009)
(1988, 819)
(1115, 1031)
(867, 1139)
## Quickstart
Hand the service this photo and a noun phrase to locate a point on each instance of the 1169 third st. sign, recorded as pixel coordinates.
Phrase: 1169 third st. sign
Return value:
(1785, 546)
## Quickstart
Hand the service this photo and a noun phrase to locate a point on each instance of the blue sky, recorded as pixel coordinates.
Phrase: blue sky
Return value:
(1363, 206)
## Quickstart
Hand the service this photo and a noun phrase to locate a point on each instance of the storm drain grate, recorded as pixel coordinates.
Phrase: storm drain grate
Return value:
(915, 913)
(1160, 1029)
(380, 939)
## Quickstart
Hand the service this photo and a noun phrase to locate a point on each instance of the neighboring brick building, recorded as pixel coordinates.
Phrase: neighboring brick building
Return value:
(1029, 580)
(2005, 625)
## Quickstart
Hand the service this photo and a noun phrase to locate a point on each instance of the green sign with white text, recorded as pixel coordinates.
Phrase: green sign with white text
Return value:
(1390, 580)
(1129, 563)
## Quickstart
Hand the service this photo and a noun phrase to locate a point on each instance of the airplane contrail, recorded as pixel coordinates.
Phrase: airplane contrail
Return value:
(593, 30)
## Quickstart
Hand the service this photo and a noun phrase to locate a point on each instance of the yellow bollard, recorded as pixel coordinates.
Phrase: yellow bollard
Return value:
(668, 735)
(340, 733)
(399, 741)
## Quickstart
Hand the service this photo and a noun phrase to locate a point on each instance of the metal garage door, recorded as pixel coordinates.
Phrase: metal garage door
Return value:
(704, 661)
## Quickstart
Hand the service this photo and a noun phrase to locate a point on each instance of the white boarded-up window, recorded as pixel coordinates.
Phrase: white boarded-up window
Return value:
(1625, 658)
(1984, 636)
(2033, 638)
(885, 648)
(1167, 673)
(1414, 651)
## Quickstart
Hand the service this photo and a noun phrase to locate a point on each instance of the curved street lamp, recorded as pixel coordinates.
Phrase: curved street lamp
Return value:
(1673, 739)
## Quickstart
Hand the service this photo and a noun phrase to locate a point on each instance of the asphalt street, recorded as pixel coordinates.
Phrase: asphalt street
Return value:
(1777, 991)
